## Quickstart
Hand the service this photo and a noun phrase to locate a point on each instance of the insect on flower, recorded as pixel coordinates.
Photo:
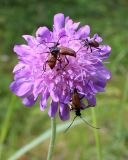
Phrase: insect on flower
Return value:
(55, 53)
(90, 44)
(50, 51)
(77, 107)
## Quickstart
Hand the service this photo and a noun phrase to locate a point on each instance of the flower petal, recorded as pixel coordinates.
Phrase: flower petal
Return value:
(54, 96)
(53, 109)
(21, 88)
(18, 67)
(42, 33)
(64, 112)
(105, 51)
(22, 50)
(43, 101)
(83, 32)
(91, 100)
(30, 40)
(58, 22)
(83, 106)
(104, 73)
(29, 101)
(99, 85)
(76, 25)
(97, 38)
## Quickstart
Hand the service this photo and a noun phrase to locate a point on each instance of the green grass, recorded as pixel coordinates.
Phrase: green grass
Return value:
(20, 125)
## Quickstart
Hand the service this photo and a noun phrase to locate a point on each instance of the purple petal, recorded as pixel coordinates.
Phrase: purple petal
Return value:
(105, 51)
(38, 88)
(97, 38)
(21, 50)
(104, 73)
(18, 67)
(64, 112)
(29, 101)
(24, 72)
(83, 32)
(21, 74)
(21, 88)
(91, 100)
(83, 105)
(30, 40)
(69, 27)
(62, 33)
(76, 25)
(42, 33)
(99, 85)
(54, 96)
(58, 22)
(67, 98)
(91, 87)
(53, 109)
(43, 101)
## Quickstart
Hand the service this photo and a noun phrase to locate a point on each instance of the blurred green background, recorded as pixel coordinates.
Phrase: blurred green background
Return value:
(20, 125)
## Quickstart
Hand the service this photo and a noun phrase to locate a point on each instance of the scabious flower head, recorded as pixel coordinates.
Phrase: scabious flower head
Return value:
(34, 78)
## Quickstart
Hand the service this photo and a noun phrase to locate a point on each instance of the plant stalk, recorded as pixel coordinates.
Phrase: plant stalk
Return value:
(53, 137)
(97, 136)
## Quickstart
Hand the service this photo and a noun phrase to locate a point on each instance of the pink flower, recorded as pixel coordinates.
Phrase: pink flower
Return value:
(33, 76)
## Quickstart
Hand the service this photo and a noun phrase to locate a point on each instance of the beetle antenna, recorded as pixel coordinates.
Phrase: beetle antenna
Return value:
(60, 38)
(86, 43)
(74, 40)
(54, 42)
(43, 44)
(70, 124)
(46, 44)
(79, 49)
(88, 123)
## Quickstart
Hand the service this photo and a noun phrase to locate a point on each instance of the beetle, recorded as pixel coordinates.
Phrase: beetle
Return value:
(90, 44)
(55, 53)
(77, 107)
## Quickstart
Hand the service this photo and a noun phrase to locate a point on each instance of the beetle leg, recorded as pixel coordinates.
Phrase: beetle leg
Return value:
(60, 62)
(98, 48)
(66, 63)
(87, 47)
(89, 106)
(91, 48)
(44, 66)
(82, 97)
(71, 107)
(58, 56)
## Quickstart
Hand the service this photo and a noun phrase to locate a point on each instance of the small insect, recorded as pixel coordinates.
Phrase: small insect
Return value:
(90, 44)
(55, 52)
(77, 107)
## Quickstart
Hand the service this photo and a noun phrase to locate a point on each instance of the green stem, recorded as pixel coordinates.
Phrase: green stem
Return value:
(120, 119)
(97, 136)
(53, 137)
(40, 139)
(6, 123)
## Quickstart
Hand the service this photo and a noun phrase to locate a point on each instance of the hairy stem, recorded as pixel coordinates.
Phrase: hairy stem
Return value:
(97, 136)
(53, 137)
